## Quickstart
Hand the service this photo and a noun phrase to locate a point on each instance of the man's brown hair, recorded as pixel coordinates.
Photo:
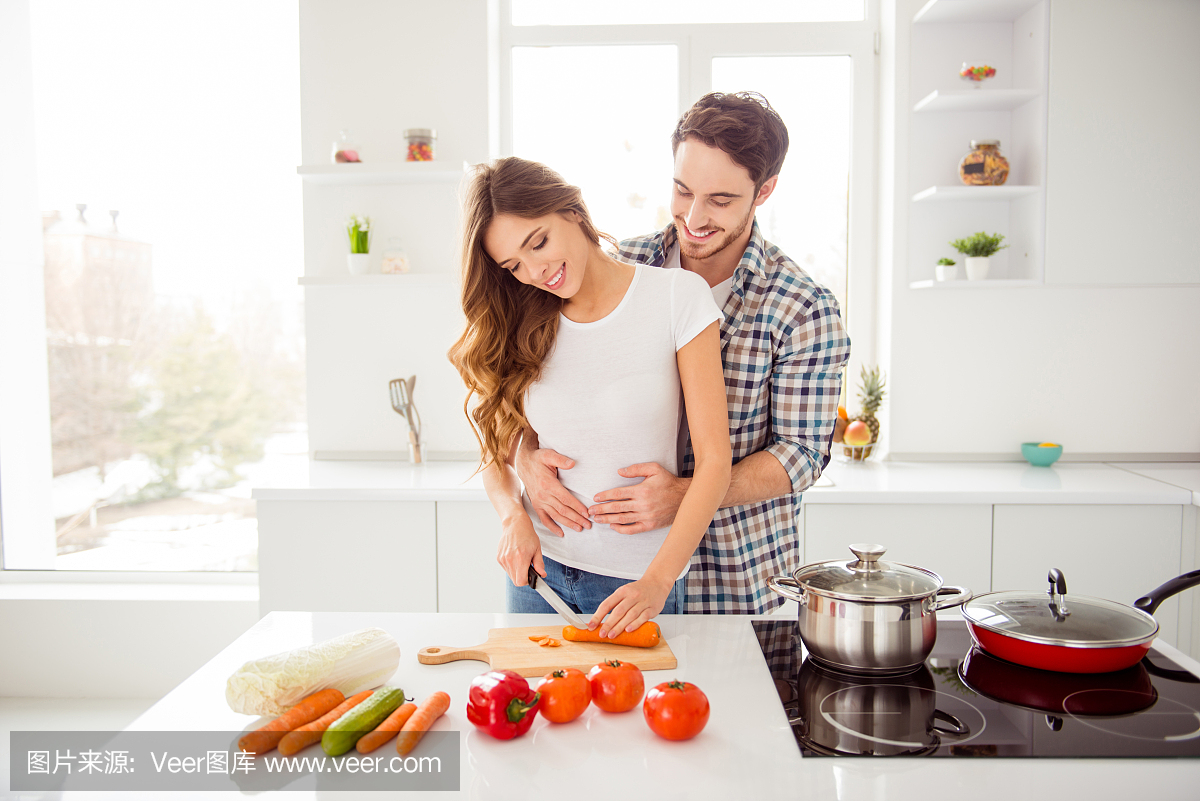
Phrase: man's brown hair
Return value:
(742, 124)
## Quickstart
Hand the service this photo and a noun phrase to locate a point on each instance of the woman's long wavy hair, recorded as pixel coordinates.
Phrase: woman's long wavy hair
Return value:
(511, 326)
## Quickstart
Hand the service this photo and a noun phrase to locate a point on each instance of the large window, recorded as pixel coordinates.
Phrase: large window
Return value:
(594, 91)
(167, 136)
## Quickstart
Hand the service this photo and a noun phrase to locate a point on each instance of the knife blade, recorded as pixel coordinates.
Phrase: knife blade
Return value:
(560, 606)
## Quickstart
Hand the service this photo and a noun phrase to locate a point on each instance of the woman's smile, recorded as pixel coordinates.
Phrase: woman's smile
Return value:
(556, 280)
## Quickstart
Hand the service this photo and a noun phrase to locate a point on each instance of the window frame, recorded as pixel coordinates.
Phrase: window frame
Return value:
(697, 45)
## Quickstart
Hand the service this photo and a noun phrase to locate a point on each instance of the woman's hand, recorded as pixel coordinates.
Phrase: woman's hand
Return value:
(520, 548)
(538, 470)
(630, 606)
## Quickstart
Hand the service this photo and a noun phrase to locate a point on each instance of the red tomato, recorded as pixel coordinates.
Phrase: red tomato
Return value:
(616, 686)
(565, 695)
(676, 710)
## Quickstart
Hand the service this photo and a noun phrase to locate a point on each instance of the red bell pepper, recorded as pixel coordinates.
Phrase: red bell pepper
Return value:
(502, 704)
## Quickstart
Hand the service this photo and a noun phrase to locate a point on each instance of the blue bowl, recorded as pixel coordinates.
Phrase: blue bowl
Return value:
(1040, 457)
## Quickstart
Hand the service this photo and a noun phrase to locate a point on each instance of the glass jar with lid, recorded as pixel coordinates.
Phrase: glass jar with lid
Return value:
(420, 144)
(395, 260)
(345, 149)
(983, 166)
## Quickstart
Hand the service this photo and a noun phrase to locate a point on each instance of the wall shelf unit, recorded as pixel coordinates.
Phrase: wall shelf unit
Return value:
(399, 281)
(987, 283)
(1013, 37)
(974, 194)
(976, 100)
(402, 172)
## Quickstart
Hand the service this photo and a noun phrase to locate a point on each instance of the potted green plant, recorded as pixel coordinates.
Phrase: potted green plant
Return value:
(978, 248)
(359, 230)
(947, 270)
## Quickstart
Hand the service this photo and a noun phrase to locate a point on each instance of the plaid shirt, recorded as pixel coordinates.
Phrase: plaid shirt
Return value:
(783, 347)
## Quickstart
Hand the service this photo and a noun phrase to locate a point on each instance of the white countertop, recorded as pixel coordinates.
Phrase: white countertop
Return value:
(746, 749)
(843, 482)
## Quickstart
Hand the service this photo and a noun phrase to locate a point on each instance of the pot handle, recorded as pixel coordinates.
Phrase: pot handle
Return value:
(956, 727)
(1149, 602)
(961, 596)
(786, 586)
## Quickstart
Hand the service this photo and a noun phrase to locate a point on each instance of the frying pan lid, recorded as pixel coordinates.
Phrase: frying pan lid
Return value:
(1037, 617)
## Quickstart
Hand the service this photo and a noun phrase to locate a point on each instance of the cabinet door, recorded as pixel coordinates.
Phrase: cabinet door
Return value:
(952, 540)
(469, 579)
(347, 556)
(1114, 552)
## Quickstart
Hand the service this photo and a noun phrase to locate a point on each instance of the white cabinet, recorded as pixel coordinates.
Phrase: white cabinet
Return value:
(469, 578)
(953, 540)
(347, 556)
(1114, 552)
(1121, 187)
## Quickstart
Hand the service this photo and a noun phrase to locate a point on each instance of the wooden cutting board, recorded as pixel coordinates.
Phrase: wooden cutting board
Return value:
(511, 649)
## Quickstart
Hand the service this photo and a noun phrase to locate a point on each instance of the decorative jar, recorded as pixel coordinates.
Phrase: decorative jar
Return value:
(420, 144)
(345, 149)
(983, 166)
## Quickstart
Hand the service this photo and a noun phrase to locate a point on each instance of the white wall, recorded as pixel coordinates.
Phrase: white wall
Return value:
(378, 67)
(1104, 370)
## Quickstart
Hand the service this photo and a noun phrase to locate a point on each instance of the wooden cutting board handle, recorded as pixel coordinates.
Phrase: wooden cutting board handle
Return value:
(441, 654)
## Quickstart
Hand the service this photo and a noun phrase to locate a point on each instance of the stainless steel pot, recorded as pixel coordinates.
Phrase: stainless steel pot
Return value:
(868, 616)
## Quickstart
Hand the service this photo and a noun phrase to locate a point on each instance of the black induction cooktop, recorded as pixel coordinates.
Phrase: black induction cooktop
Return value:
(965, 702)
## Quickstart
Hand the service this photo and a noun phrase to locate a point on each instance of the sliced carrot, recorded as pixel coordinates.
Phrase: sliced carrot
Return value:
(549, 642)
(647, 635)
(299, 739)
(430, 710)
(314, 706)
(387, 730)
(539, 637)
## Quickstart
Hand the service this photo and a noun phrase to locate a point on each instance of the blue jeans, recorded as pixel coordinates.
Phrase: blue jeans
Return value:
(583, 591)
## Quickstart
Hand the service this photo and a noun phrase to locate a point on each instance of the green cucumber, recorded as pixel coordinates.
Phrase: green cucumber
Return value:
(344, 732)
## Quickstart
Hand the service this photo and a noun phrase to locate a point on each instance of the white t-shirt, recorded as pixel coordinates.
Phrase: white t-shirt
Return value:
(720, 292)
(609, 397)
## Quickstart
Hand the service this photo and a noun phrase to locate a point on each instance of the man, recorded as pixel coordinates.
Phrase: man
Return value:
(783, 348)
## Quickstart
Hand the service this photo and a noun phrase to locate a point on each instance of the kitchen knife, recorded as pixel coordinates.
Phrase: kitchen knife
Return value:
(560, 606)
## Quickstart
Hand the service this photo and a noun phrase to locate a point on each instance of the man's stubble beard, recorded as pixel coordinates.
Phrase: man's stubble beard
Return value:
(702, 252)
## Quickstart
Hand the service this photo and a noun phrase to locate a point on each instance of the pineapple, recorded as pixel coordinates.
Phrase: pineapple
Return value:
(871, 394)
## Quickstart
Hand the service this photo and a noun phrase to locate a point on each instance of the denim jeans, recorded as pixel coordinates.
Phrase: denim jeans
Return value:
(583, 591)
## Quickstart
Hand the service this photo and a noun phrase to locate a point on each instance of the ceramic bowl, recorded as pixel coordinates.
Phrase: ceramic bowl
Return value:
(1038, 456)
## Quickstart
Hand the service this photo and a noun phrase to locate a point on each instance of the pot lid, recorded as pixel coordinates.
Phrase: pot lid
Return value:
(868, 578)
(1056, 618)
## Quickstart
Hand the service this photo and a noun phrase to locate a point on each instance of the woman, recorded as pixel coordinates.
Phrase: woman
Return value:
(593, 354)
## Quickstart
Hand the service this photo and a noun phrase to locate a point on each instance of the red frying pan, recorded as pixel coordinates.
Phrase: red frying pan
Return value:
(1074, 634)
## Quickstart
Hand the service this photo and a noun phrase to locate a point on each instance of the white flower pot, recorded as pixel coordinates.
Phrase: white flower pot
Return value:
(360, 263)
(946, 272)
(977, 267)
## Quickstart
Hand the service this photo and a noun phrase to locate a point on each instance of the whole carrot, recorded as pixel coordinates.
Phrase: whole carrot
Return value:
(386, 730)
(430, 710)
(646, 635)
(301, 738)
(314, 706)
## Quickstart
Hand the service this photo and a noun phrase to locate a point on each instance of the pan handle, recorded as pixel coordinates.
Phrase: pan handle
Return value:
(961, 596)
(1150, 601)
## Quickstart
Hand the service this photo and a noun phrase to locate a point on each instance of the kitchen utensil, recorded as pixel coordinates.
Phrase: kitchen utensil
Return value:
(1121, 692)
(543, 589)
(1070, 634)
(866, 615)
(511, 649)
(829, 713)
(401, 391)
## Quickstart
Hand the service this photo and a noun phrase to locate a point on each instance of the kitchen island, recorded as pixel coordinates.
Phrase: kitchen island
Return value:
(747, 749)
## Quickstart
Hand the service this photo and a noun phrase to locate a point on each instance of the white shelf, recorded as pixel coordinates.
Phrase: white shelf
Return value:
(981, 193)
(401, 172)
(987, 283)
(405, 280)
(976, 100)
(973, 10)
